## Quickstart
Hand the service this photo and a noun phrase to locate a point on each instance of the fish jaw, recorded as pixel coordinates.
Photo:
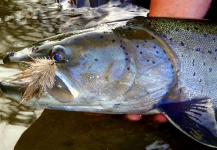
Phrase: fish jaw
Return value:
(85, 104)
(14, 89)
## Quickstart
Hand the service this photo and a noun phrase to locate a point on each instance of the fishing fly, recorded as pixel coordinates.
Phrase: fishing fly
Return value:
(38, 77)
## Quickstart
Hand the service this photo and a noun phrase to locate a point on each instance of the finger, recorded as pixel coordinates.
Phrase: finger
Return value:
(133, 117)
(158, 118)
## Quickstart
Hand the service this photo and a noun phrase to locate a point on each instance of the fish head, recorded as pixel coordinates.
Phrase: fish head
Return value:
(99, 71)
(90, 76)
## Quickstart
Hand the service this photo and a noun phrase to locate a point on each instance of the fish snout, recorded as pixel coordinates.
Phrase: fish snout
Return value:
(8, 59)
(16, 60)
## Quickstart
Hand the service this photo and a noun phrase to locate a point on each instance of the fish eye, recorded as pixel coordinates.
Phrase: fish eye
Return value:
(57, 53)
(58, 57)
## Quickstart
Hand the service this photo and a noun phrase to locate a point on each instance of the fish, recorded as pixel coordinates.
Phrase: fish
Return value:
(133, 66)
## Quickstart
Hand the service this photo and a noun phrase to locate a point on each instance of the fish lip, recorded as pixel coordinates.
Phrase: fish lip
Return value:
(12, 89)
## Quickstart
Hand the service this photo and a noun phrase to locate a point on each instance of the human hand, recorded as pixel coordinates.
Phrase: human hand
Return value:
(194, 9)
(158, 118)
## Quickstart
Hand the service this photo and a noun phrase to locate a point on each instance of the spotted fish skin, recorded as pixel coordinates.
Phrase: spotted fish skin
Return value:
(195, 45)
(144, 64)
(191, 105)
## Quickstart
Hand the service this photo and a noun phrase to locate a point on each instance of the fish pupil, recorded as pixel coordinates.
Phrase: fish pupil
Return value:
(57, 57)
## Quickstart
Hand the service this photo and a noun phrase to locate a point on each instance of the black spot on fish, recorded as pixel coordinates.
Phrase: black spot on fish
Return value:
(140, 52)
(204, 63)
(171, 39)
(193, 62)
(210, 52)
(164, 36)
(154, 46)
(113, 41)
(96, 59)
(215, 50)
(196, 28)
(126, 58)
(180, 90)
(205, 35)
(210, 69)
(197, 49)
(153, 62)
(157, 52)
(128, 68)
(194, 74)
(126, 53)
(181, 55)
(137, 46)
(172, 66)
(182, 44)
(101, 36)
(213, 39)
(145, 41)
(177, 30)
(200, 80)
(187, 28)
(148, 60)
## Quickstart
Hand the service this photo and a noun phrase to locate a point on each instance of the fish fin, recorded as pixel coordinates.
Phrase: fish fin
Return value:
(196, 118)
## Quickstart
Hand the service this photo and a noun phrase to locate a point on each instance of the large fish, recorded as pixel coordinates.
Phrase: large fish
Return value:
(134, 67)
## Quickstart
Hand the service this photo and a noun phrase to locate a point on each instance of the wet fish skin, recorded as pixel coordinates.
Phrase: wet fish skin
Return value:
(168, 64)
(105, 71)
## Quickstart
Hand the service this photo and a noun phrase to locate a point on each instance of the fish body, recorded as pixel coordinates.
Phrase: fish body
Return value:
(135, 67)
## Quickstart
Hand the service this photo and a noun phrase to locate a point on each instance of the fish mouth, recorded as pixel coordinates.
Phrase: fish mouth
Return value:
(11, 88)
(15, 88)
